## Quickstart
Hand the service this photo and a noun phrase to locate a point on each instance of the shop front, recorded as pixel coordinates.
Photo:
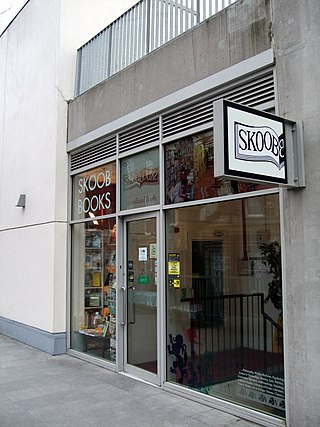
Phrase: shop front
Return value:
(176, 274)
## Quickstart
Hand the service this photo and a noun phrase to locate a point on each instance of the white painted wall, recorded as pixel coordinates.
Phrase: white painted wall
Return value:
(36, 80)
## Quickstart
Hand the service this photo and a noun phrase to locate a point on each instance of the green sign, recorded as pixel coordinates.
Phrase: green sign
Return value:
(143, 280)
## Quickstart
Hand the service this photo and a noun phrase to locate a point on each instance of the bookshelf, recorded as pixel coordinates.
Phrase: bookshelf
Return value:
(93, 275)
(99, 287)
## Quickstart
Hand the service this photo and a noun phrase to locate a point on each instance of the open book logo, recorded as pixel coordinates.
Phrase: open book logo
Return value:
(259, 144)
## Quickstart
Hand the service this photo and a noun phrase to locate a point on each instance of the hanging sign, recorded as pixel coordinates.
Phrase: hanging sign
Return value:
(256, 146)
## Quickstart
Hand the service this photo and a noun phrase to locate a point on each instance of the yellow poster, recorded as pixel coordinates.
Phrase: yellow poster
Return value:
(174, 268)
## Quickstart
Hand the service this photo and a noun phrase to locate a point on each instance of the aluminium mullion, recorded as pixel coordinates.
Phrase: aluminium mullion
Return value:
(210, 8)
(123, 41)
(205, 12)
(166, 21)
(120, 27)
(144, 27)
(127, 39)
(216, 8)
(171, 6)
(161, 15)
(157, 19)
(151, 26)
(139, 32)
(176, 15)
(97, 61)
(190, 15)
(181, 17)
(116, 47)
(133, 36)
(129, 36)
(89, 68)
(104, 45)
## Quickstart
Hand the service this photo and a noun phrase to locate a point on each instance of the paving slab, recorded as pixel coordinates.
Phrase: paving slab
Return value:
(37, 389)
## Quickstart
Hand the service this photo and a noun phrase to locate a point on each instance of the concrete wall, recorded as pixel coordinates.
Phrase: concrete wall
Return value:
(296, 29)
(37, 68)
(237, 33)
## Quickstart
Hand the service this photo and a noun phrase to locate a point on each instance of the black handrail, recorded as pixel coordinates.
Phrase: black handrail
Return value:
(237, 323)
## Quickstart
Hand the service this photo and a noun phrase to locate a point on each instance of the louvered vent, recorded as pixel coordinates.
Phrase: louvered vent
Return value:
(139, 136)
(95, 153)
(257, 92)
(187, 118)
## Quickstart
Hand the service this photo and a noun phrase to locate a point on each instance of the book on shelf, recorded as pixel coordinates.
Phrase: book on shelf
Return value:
(93, 240)
(94, 299)
(88, 280)
(96, 279)
(88, 261)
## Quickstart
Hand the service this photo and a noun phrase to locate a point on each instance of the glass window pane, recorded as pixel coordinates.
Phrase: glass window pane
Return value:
(94, 192)
(224, 301)
(140, 180)
(190, 171)
(93, 315)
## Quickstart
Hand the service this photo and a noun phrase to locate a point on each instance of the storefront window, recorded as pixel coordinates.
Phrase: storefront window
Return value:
(140, 180)
(224, 301)
(190, 171)
(93, 318)
(94, 192)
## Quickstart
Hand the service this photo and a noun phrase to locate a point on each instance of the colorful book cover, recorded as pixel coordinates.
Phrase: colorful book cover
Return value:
(96, 279)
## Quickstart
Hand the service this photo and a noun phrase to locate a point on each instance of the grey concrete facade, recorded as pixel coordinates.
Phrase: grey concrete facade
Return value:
(296, 41)
(235, 34)
(249, 27)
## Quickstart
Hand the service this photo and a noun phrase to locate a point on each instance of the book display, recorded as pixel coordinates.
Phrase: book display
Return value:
(99, 293)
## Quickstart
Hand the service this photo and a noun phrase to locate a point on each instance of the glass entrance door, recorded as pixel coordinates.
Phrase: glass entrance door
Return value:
(142, 276)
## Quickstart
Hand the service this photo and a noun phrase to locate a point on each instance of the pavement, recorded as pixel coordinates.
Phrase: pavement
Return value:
(37, 389)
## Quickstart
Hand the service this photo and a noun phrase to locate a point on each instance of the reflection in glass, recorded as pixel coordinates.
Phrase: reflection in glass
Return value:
(93, 316)
(140, 180)
(190, 171)
(94, 192)
(142, 276)
(224, 336)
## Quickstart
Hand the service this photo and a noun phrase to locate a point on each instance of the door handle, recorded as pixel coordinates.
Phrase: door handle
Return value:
(124, 305)
(133, 307)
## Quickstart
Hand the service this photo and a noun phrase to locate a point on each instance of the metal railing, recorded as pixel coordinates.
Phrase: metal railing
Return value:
(235, 328)
(146, 26)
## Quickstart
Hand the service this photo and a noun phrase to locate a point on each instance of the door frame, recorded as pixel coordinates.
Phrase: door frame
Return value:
(126, 368)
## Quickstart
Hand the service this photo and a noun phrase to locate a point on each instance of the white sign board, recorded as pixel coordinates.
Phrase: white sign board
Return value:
(256, 146)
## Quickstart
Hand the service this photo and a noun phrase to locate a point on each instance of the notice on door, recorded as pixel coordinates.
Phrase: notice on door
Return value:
(143, 254)
(174, 264)
(174, 270)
